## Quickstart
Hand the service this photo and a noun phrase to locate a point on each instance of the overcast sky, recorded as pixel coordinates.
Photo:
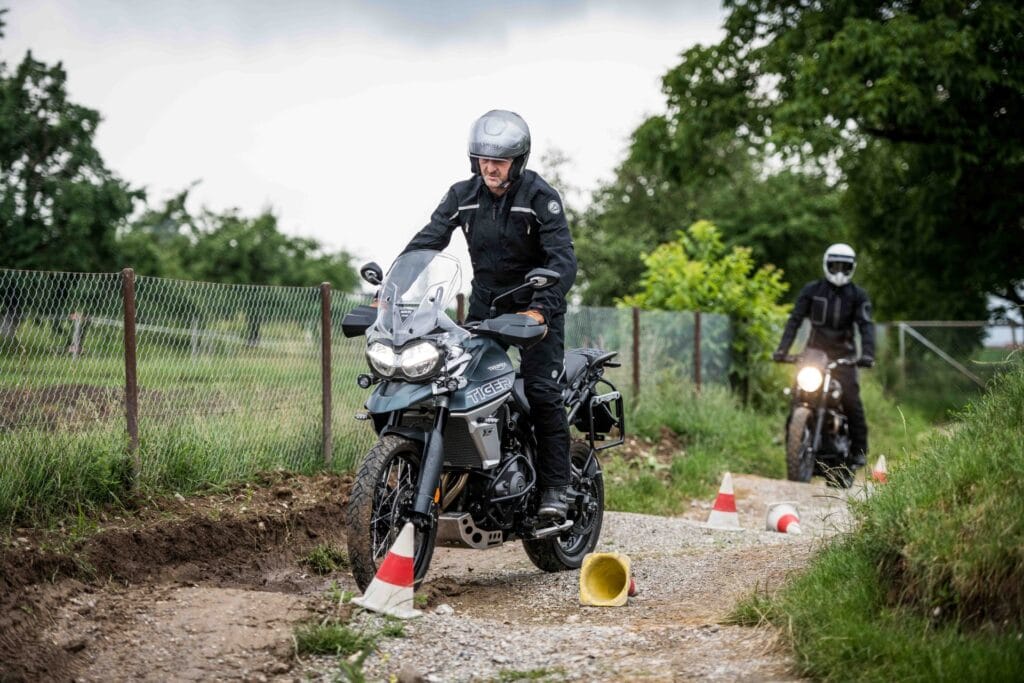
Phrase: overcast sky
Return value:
(350, 117)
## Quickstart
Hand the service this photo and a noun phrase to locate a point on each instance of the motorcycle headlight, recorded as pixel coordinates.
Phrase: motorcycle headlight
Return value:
(382, 359)
(419, 360)
(809, 379)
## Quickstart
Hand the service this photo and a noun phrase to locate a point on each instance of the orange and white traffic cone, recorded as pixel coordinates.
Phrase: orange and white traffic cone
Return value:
(879, 473)
(723, 512)
(391, 590)
(784, 518)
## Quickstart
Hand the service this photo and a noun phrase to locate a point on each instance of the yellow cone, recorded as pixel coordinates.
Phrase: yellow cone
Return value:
(605, 580)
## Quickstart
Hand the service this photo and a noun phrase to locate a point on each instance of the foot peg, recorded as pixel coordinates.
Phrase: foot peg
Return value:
(550, 531)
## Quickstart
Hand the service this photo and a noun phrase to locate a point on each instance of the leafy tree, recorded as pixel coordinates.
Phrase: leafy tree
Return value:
(59, 203)
(697, 272)
(915, 105)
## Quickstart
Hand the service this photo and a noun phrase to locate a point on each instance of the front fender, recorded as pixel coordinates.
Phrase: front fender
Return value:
(391, 396)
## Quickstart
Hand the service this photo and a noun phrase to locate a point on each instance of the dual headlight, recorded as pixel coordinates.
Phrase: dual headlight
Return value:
(415, 362)
(809, 379)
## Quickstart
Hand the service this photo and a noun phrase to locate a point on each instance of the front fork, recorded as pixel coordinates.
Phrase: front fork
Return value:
(826, 385)
(430, 468)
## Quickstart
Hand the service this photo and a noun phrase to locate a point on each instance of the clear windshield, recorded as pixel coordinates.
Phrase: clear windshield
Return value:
(418, 288)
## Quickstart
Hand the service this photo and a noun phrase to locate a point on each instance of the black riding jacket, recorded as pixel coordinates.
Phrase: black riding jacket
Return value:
(507, 237)
(833, 312)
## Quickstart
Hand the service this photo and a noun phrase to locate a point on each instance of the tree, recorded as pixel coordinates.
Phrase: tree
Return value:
(697, 272)
(915, 105)
(59, 204)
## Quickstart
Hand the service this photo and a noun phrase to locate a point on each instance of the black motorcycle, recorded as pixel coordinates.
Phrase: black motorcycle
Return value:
(456, 451)
(817, 430)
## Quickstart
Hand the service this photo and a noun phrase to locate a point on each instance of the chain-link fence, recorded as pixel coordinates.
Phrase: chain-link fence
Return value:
(175, 384)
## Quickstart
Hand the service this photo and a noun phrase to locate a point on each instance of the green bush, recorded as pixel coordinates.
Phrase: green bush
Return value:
(697, 273)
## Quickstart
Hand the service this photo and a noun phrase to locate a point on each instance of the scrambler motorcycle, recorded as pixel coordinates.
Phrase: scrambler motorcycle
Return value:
(456, 453)
(817, 430)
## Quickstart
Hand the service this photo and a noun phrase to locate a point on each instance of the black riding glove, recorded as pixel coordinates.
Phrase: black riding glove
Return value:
(779, 356)
(866, 362)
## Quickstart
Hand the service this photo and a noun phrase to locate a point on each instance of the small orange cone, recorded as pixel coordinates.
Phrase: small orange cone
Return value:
(391, 590)
(723, 512)
(784, 518)
(880, 474)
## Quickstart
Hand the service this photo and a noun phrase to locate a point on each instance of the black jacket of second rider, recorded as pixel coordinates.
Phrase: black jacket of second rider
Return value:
(507, 237)
(833, 312)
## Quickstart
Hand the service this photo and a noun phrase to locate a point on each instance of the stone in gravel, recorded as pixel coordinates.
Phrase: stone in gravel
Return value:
(280, 668)
(409, 674)
(444, 610)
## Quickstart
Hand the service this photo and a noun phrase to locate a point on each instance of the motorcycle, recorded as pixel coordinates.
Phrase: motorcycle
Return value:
(817, 430)
(456, 450)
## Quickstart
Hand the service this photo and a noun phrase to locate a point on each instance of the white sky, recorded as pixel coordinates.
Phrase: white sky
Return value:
(350, 117)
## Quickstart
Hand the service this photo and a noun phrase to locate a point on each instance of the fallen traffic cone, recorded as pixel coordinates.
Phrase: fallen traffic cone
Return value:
(723, 513)
(391, 591)
(784, 518)
(605, 580)
(879, 473)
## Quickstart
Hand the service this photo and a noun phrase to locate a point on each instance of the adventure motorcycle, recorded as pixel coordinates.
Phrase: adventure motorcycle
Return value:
(456, 451)
(817, 430)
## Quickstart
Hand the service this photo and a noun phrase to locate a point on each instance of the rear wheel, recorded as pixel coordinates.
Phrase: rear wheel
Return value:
(799, 442)
(568, 550)
(379, 507)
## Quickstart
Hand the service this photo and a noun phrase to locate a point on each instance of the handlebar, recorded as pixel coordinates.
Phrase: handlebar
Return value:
(839, 361)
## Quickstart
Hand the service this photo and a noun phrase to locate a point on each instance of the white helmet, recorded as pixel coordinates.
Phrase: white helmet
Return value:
(839, 262)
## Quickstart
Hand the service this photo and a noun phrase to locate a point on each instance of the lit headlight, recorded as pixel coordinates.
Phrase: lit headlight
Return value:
(809, 379)
(382, 359)
(419, 360)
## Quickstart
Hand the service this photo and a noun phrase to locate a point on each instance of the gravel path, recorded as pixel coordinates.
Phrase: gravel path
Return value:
(502, 619)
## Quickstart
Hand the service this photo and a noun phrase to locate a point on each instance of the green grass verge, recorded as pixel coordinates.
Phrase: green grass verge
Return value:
(931, 584)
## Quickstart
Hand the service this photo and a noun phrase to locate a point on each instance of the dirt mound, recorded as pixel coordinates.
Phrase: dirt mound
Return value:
(241, 538)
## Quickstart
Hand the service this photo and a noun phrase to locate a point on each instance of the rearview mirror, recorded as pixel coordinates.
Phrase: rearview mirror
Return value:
(372, 273)
(542, 278)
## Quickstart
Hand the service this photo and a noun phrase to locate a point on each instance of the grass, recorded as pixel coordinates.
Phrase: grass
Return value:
(325, 558)
(543, 674)
(931, 584)
(332, 638)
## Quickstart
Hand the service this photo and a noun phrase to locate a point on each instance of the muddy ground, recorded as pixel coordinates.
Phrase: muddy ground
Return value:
(212, 588)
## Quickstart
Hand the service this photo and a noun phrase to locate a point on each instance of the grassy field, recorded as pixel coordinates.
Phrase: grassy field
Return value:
(931, 584)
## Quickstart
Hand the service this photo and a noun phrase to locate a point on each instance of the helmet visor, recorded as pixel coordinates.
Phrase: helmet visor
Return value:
(836, 267)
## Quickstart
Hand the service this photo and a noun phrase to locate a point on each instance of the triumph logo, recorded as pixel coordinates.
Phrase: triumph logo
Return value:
(490, 390)
(499, 366)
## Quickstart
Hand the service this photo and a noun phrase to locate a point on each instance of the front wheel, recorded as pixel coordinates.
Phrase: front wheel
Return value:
(799, 446)
(379, 507)
(568, 550)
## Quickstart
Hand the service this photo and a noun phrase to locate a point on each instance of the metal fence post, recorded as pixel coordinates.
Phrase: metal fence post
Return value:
(131, 381)
(636, 353)
(325, 368)
(903, 357)
(696, 350)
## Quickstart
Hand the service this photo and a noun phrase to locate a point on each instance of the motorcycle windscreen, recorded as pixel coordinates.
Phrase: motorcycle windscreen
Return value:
(418, 288)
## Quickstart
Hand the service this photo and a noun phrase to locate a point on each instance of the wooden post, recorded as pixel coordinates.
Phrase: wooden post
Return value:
(636, 353)
(903, 357)
(131, 381)
(460, 308)
(696, 351)
(325, 368)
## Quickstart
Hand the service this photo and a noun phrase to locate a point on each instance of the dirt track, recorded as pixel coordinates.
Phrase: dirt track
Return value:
(212, 589)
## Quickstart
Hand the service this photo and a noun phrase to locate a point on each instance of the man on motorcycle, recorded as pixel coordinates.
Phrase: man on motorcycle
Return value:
(513, 221)
(835, 305)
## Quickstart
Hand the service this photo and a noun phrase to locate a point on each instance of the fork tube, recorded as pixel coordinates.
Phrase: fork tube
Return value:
(822, 403)
(433, 462)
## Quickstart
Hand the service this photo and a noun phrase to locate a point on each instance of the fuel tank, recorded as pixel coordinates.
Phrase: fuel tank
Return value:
(490, 374)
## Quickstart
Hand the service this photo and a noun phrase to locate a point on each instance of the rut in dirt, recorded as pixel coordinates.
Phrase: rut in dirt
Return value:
(241, 539)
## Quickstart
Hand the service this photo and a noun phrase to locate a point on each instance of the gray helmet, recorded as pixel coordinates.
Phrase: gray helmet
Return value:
(500, 134)
(839, 262)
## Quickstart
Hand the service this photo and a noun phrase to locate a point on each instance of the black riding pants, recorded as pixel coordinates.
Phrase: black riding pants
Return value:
(541, 367)
(854, 409)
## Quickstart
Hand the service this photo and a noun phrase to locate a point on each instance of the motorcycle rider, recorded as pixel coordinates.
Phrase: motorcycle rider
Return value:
(835, 306)
(513, 221)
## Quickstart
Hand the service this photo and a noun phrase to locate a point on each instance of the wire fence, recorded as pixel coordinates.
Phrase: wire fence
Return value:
(189, 383)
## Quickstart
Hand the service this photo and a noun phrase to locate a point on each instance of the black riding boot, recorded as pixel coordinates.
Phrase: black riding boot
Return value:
(552, 504)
